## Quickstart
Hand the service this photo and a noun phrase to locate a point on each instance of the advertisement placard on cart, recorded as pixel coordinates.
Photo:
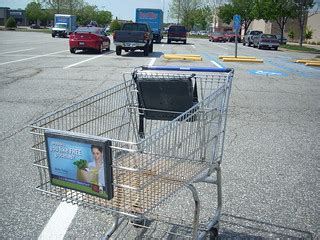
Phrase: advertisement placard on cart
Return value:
(80, 162)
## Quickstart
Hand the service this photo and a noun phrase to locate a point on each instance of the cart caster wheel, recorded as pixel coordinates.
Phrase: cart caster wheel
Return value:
(140, 222)
(213, 233)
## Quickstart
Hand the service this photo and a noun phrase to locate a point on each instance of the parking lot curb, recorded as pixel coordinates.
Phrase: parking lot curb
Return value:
(251, 60)
(313, 64)
(242, 57)
(309, 62)
(183, 57)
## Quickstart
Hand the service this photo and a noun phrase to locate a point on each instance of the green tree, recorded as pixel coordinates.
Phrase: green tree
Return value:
(64, 6)
(182, 10)
(202, 17)
(115, 25)
(33, 11)
(103, 17)
(46, 15)
(279, 11)
(302, 9)
(244, 8)
(11, 23)
(86, 14)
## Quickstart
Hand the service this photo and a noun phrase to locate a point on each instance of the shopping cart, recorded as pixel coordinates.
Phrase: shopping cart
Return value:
(166, 126)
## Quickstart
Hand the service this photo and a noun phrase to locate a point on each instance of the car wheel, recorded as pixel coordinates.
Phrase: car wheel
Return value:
(100, 50)
(259, 46)
(185, 42)
(108, 48)
(168, 41)
(53, 35)
(72, 50)
(146, 50)
(243, 43)
(276, 48)
(151, 48)
(118, 50)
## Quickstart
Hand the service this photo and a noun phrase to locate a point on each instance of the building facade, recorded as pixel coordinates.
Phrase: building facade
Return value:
(19, 15)
(314, 25)
(4, 13)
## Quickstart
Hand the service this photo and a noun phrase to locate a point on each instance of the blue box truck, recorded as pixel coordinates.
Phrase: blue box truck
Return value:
(64, 25)
(153, 17)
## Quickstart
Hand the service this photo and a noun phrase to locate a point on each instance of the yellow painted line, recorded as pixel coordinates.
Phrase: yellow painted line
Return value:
(177, 57)
(313, 64)
(243, 60)
(245, 57)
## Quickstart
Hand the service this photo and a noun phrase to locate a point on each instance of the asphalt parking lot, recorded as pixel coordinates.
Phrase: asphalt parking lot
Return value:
(271, 167)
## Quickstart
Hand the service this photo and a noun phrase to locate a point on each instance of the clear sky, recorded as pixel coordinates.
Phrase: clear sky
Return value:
(123, 9)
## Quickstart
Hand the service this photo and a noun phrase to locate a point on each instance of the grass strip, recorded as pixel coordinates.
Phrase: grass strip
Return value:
(298, 48)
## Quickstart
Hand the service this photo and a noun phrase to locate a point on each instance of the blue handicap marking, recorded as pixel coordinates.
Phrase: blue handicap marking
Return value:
(236, 22)
(267, 73)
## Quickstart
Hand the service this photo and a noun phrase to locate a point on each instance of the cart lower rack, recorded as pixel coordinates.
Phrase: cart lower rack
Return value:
(162, 131)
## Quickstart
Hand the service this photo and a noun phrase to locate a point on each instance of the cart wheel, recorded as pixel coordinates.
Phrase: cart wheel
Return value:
(213, 233)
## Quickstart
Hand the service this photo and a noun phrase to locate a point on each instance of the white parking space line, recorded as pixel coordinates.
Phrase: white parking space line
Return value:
(217, 64)
(162, 45)
(193, 46)
(58, 224)
(218, 45)
(87, 60)
(23, 50)
(152, 61)
(38, 56)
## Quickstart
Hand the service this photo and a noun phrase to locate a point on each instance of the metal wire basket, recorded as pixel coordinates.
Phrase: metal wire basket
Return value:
(153, 157)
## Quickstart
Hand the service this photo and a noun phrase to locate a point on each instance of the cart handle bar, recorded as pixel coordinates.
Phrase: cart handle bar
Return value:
(188, 69)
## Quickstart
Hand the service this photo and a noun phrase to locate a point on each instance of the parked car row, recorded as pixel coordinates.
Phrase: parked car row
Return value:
(132, 36)
(223, 36)
(260, 40)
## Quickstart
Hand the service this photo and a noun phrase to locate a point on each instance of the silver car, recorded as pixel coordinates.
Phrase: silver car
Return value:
(266, 41)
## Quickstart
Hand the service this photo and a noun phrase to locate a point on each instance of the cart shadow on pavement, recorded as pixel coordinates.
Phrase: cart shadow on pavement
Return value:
(235, 227)
(231, 227)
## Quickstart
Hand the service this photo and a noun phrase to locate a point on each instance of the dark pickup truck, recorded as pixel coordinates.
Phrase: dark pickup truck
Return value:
(134, 36)
(177, 33)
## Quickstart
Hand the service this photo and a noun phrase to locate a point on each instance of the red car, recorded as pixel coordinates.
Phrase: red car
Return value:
(217, 37)
(85, 38)
(231, 36)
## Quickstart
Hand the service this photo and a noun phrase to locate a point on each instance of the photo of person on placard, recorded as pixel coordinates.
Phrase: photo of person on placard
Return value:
(96, 167)
(92, 171)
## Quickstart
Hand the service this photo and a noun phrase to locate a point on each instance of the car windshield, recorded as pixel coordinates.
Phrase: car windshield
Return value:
(268, 36)
(135, 27)
(255, 32)
(177, 29)
(88, 30)
(60, 25)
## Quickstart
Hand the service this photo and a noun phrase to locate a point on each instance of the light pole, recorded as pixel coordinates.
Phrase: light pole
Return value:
(179, 11)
